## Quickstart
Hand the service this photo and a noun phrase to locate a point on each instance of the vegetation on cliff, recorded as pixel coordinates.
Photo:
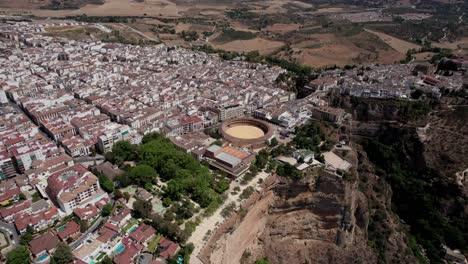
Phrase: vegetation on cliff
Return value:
(429, 203)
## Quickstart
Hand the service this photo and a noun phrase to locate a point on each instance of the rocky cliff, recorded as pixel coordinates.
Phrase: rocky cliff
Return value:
(319, 219)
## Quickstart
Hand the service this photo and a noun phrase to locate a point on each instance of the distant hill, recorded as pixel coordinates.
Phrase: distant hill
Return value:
(48, 4)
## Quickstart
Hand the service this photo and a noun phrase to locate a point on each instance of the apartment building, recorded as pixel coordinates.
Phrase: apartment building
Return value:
(7, 168)
(74, 187)
(114, 133)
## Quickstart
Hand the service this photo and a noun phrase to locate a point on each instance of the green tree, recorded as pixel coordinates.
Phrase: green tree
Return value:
(83, 226)
(150, 137)
(142, 209)
(246, 193)
(262, 261)
(274, 142)
(142, 174)
(126, 195)
(189, 228)
(417, 94)
(62, 255)
(320, 158)
(262, 159)
(118, 194)
(228, 209)
(19, 255)
(106, 184)
(28, 236)
(167, 228)
(106, 210)
(148, 186)
(221, 185)
(122, 151)
(106, 260)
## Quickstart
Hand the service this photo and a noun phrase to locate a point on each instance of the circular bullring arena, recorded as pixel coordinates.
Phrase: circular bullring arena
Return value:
(246, 132)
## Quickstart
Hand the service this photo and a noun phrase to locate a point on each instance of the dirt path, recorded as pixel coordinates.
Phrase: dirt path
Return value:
(397, 44)
(211, 223)
(138, 32)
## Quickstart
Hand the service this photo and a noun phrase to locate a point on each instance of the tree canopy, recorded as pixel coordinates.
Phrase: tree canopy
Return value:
(142, 209)
(309, 136)
(140, 175)
(19, 255)
(122, 151)
(106, 210)
(183, 173)
(420, 195)
(62, 255)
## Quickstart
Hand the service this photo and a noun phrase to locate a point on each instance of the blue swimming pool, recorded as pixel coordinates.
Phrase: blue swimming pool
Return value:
(133, 228)
(42, 258)
(120, 248)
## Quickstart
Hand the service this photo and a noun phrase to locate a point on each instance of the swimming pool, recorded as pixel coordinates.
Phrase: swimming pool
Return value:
(120, 248)
(42, 258)
(61, 228)
(132, 229)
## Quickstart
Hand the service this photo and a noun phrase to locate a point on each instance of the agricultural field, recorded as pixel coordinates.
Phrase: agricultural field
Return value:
(315, 33)
(263, 46)
(332, 49)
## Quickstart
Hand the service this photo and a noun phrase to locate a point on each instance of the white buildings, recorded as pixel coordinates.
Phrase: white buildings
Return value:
(114, 133)
(74, 187)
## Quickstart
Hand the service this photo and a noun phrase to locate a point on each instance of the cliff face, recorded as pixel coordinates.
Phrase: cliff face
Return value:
(445, 140)
(407, 171)
(403, 174)
(319, 219)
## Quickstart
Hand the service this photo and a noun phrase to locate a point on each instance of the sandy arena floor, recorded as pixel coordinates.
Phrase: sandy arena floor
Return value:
(245, 132)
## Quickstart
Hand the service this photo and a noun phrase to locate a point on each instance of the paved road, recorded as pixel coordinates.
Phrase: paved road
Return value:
(89, 158)
(75, 244)
(10, 232)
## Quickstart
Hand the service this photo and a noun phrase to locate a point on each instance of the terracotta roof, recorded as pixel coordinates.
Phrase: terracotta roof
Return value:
(131, 250)
(5, 212)
(47, 241)
(118, 217)
(168, 248)
(70, 228)
(236, 153)
(86, 213)
(23, 220)
(7, 195)
(66, 180)
(142, 233)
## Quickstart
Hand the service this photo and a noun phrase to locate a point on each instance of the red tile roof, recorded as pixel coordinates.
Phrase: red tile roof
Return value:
(70, 228)
(47, 241)
(142, 233)
(22, 220)
(168, 248)
(131, 251)
(107, 232)
(8, 211)
(9, 194)
(87, 213)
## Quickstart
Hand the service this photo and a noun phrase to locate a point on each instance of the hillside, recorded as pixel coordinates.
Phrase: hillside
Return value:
(48, 4)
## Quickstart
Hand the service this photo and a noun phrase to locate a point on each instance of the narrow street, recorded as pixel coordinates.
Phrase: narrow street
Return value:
(75, 244)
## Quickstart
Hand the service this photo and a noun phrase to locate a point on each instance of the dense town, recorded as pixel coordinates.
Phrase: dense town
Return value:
(65, 104)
